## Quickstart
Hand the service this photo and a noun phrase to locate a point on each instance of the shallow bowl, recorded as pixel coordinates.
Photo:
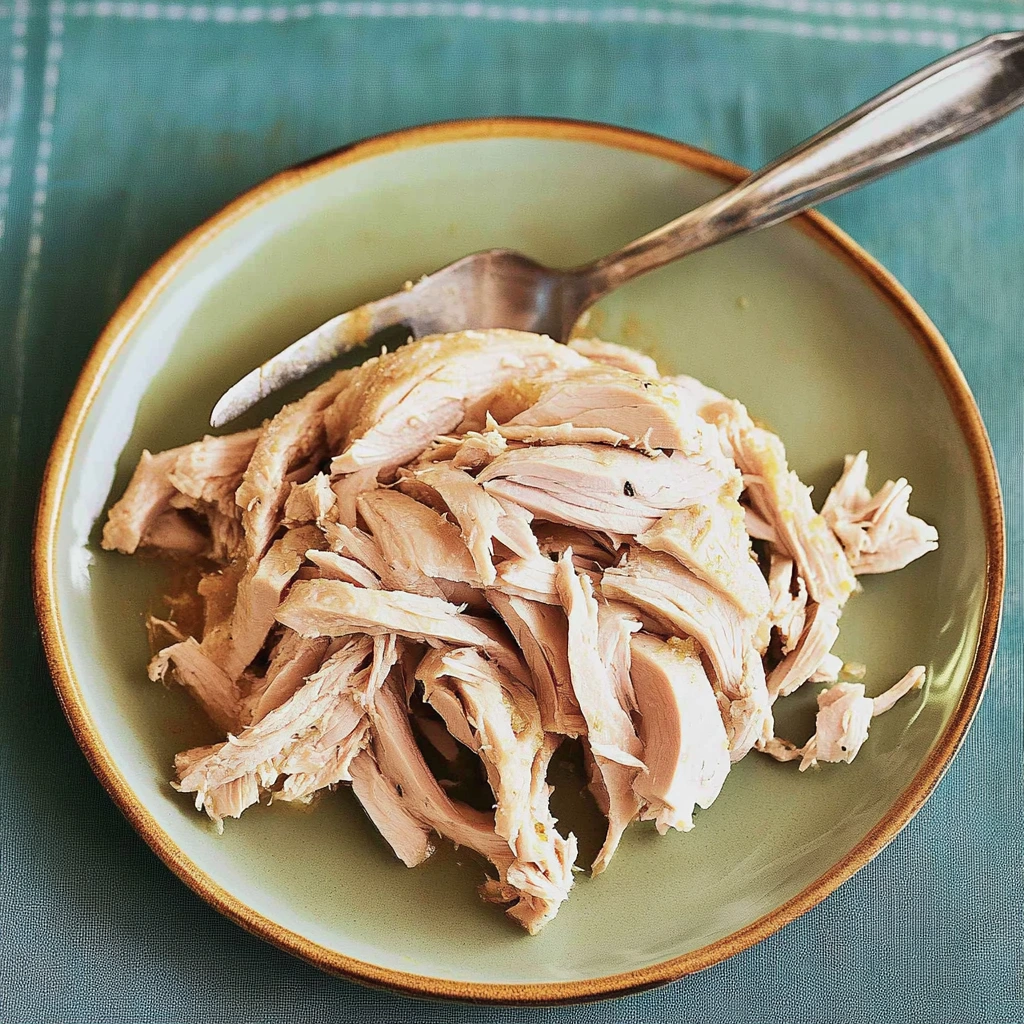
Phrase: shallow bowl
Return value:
(797, 321)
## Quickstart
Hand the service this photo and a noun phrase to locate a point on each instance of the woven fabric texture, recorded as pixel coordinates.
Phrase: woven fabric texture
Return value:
(126, 124)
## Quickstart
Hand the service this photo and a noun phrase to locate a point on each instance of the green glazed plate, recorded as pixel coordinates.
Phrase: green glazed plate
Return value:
(797, 322)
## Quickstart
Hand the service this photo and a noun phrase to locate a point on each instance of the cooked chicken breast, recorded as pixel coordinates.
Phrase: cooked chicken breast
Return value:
(504, 727)
(211, 687)
(256, 600)
(815, 643)
(293, 660)
(619, 356)
(542, 633)
(611, 736)
(333, 608)
(422, 389)
(309, 502)
(623, 407)
(841, 726)
(333, 566)
(687, 606)
(202, 477)
(784, 502)
(482, 518)
(416, 538)
(210, 471)
(685, 746)
(878, 533)
(382, 800)
(710, 539)
(596, 487)
(229, 777)
(788, 596)
(295, 437)
(487, 542)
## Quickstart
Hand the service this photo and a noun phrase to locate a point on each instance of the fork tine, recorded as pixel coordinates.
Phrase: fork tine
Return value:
(339, 335)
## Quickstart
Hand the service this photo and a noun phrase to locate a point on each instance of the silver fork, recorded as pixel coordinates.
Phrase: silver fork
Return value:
(939, 105)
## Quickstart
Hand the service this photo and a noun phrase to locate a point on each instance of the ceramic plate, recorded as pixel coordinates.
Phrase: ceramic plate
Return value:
(797, 321)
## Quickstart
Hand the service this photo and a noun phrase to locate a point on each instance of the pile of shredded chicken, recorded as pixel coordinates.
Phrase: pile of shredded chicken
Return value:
(491, 540)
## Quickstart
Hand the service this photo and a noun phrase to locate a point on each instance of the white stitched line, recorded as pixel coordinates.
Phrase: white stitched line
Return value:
(944, 39)
(846, 9)
(44, 147)
(877, 11)
(41, 174)
(15, 105)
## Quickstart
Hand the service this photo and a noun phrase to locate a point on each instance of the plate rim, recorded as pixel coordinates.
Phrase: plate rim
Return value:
(139, 300)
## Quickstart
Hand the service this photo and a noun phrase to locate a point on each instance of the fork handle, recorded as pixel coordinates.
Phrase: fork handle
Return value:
(939, 105)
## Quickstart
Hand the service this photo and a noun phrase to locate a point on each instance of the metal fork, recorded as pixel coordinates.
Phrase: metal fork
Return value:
(939, 105)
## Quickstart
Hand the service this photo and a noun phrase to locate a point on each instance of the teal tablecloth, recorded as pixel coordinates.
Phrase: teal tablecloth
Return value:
(125, 124)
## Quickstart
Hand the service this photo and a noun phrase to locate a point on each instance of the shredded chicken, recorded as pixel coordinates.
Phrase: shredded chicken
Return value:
(687, 606)
(610, 354)
(382, 799)
(534, 579)
(542, 633)
(292, 661)
(710, 540)
(611, 737)
(256, 600)
(589, 550)
(201, 477)
(211, 687)
(347, 490)
(333, 608)
(813, 647)
(228, 777)
(293, 439)
(482, 518)
(481, 544)
(420, 391)
(622, 407)
(599, 487)
(877, 532)
(788, 610)
(686, 749)
(841, 725)
(309, 502)
(503, 723)
(784, 502)
(416, 538)
(333, 566)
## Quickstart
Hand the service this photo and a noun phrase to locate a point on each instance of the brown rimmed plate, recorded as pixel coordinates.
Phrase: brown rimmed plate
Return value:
(797, 321)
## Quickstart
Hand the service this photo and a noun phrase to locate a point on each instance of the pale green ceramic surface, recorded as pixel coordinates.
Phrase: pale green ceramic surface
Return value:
(772, 319)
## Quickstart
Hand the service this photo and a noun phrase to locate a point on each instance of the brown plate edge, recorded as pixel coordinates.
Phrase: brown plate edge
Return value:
(153, 282)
